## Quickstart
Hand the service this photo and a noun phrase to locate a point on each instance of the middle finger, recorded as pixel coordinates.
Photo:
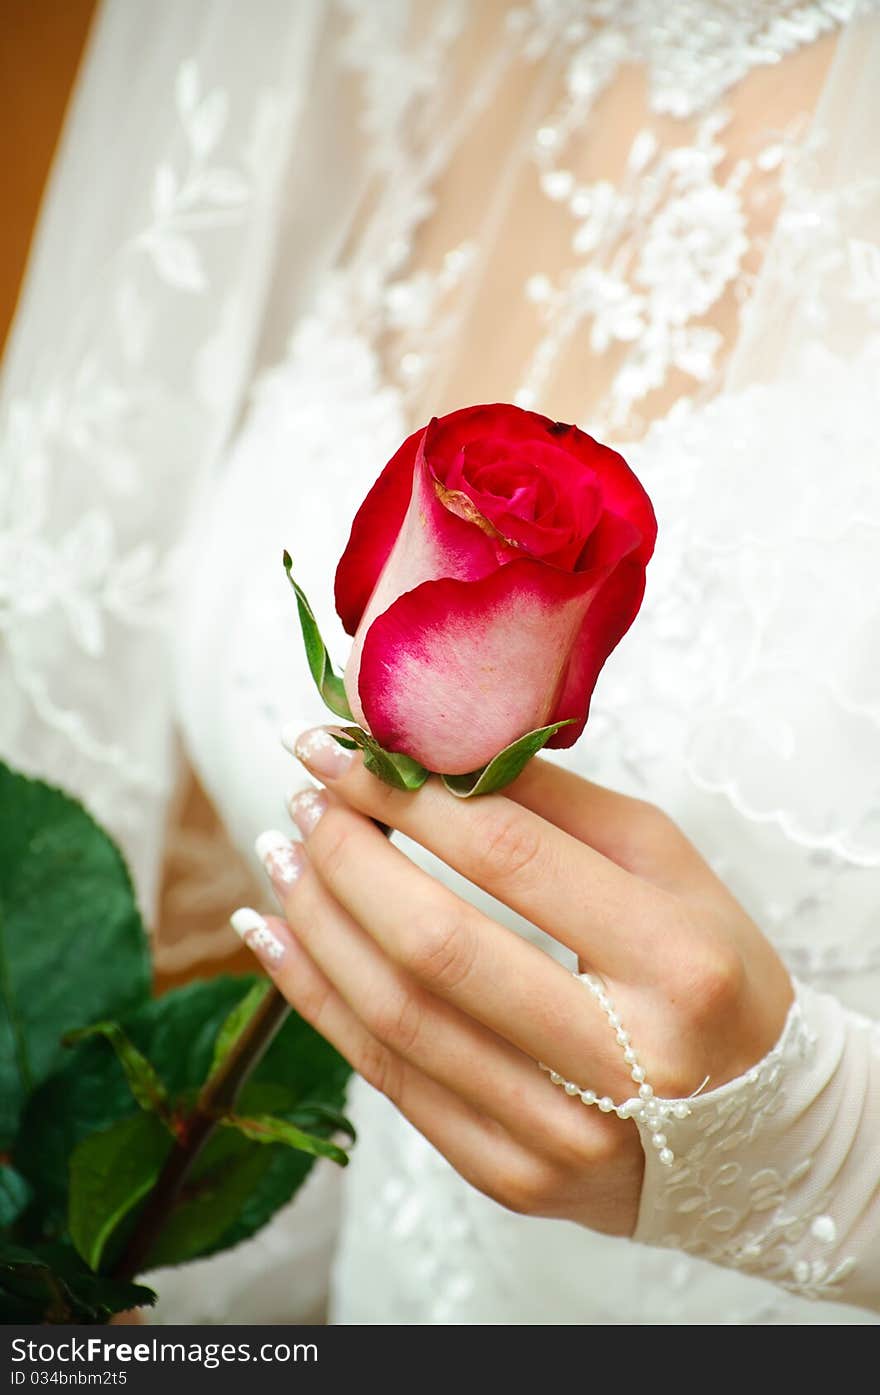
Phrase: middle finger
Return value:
(607, 916)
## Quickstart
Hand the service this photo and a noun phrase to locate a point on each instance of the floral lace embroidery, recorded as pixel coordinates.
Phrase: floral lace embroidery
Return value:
(693, 51)
(653, 256)
(750, 1221)
(659, 251)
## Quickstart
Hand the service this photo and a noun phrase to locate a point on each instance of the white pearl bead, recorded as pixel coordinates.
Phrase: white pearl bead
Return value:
(645, 1092)
(630, 1056)
(556, 1077)
(571, 1088)
(622, 1038)
(659, 1140)
(606, 1104)
(638, 1073)
(681, 1111)
(824, 1229)
(623, 1111)
(614, 1019)
(588, 1096)
(666, 1156)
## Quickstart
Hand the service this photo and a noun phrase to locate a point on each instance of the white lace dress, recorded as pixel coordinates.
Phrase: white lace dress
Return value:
(626, 295)
(659, 222)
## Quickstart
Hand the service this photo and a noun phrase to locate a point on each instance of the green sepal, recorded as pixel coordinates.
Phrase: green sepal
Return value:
(265, 1128)
(505, 766)
(143, 1080)
(396, 769)
(329, 684)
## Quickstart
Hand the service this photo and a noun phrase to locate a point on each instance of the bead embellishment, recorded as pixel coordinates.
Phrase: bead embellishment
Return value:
(649, 1110)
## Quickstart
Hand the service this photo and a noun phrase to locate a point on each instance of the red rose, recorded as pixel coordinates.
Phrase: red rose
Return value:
(491, 570)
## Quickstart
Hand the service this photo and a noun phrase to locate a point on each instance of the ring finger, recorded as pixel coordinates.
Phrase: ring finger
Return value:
(478, 1148)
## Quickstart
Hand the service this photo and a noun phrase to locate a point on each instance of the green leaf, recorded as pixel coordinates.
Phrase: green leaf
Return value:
(329, 684)
(318, 1116)
(234, 1170)
(110, 1172)
(30, 1290)
(98, 1296)
(402, 772)
(144, 1083)
(265, 1128)
(15, 1193)
(212, 1200)
(50, 1283)
(505, 766)
(265, 1099)
(236, 1022)
(178, 1033)
(72, 946)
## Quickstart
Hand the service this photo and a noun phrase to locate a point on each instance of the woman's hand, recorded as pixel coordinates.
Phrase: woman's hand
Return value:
(447, 1012)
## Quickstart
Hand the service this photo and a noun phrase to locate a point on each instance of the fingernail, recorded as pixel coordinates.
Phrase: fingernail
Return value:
(319, 752)
(282, 859)
(306, 807)
(259, 935)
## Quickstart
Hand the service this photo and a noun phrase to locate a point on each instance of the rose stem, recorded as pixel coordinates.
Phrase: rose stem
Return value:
(217, 1096)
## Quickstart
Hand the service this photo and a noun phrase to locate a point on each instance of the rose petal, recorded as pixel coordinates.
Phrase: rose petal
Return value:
(453, 671)
(374, 533)
(607, 620)
(433, 542)
(612, 539)
(622, 493)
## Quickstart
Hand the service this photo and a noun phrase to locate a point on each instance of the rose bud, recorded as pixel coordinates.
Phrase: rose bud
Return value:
(490, 571)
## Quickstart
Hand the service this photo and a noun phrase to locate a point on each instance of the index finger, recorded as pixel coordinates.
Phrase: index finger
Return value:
(607, 916)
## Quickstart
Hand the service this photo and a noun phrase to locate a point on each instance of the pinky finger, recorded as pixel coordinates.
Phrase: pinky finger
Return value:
(477, 1147)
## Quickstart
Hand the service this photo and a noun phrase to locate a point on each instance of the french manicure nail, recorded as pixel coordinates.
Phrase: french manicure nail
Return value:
(319, 752)
(282, 859)
(258, 935)
(306, 807)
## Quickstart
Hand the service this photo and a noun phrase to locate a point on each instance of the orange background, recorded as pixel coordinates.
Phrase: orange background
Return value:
(40, 46)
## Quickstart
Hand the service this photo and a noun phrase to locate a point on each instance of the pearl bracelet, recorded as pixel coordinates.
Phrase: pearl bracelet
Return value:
(647, 1108)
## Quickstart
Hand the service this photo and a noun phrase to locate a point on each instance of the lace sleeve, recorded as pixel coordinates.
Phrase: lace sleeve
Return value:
(777, 1173)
